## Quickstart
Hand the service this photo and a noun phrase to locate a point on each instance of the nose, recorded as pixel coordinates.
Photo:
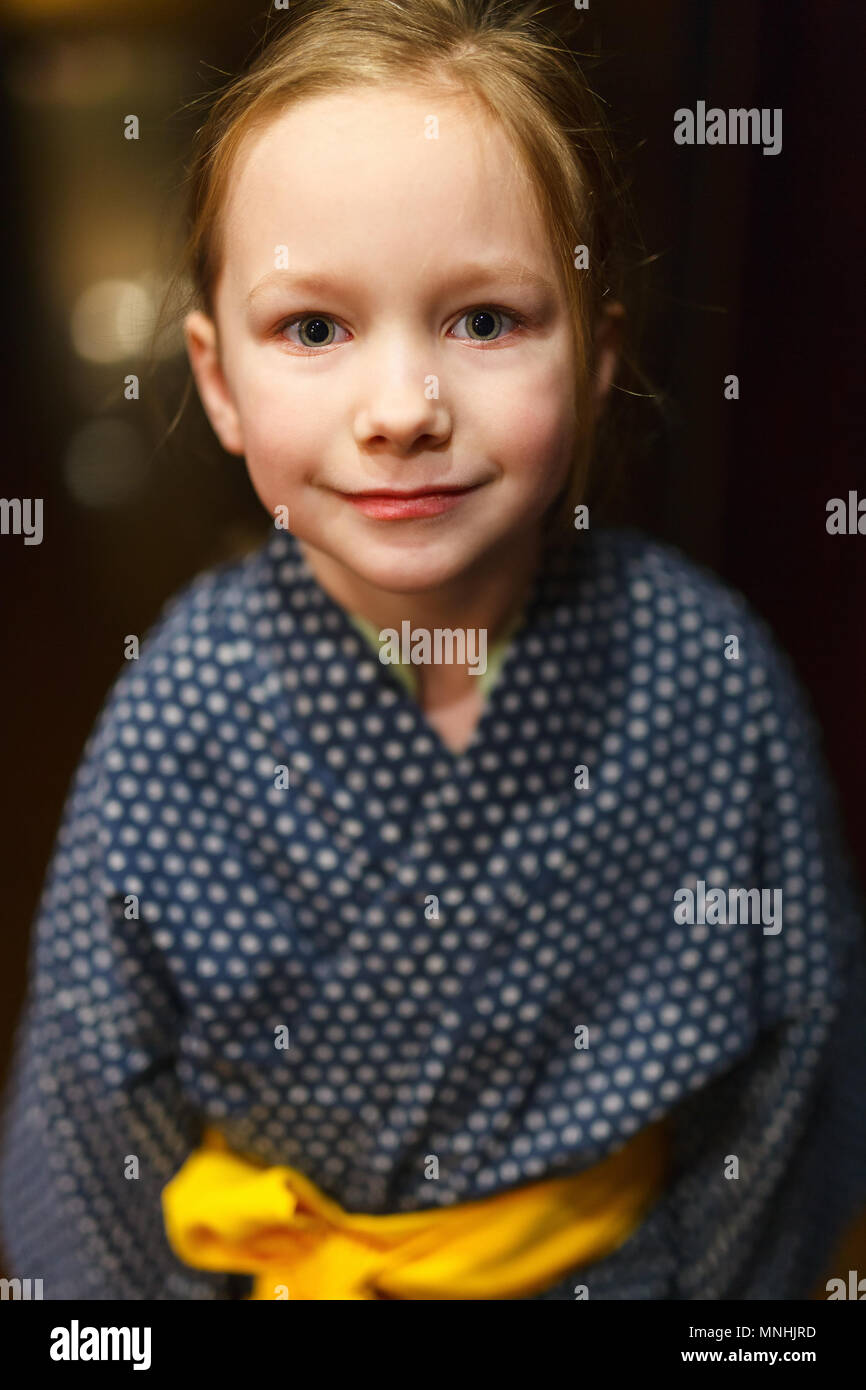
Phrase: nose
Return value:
(401, 406)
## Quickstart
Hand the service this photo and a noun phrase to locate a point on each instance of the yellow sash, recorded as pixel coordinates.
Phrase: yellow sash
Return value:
(231, 1214)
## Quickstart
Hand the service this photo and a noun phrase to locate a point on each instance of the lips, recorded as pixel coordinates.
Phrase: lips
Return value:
(392, 505)
(431, 490)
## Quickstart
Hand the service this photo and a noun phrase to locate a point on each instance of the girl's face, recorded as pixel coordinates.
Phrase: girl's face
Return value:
(389, 318)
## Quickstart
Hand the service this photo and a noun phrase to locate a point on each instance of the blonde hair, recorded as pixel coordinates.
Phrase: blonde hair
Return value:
(498, 52)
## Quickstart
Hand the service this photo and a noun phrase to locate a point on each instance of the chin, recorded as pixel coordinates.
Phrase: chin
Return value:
(411, 572)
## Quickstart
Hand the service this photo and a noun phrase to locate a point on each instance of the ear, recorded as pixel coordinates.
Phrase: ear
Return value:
(200, 334)
(607, 343)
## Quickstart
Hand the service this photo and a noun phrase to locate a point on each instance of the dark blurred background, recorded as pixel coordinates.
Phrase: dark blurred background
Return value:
(756, 272)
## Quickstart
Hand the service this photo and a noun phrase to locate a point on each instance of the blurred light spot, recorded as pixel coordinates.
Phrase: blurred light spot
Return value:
(106, 463)
(112, 320)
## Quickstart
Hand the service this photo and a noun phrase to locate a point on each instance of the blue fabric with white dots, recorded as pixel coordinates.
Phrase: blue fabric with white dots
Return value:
(414, 1034)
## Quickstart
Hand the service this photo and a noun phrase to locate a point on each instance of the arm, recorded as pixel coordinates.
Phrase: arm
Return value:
(93, 1095)
(791, 1109)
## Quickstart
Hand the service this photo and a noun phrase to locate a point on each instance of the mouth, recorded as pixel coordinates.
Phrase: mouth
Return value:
(390, 504)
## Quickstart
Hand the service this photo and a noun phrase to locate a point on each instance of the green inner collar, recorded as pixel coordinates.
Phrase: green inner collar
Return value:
(408, 673)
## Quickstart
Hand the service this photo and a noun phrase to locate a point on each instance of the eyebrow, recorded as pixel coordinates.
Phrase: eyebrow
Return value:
(476, 273)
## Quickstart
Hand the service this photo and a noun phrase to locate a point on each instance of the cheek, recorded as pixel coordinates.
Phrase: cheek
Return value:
(531, 431)
(284, 430)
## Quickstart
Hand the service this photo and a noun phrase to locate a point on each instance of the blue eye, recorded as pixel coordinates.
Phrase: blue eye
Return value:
(315, 330)
(484, 322)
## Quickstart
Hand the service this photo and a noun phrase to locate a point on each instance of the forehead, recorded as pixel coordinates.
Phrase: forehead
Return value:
(407, 177)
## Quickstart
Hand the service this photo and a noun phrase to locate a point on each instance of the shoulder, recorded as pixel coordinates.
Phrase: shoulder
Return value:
(643, 571)
(668, 609)
(218, 603)
(703, 684)
(195, 667)
(699, 672)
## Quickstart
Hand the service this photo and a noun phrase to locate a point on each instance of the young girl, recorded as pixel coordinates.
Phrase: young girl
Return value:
(449, 902)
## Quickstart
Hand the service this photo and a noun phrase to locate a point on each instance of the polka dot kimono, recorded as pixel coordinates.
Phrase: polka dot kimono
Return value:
(452, 1034)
